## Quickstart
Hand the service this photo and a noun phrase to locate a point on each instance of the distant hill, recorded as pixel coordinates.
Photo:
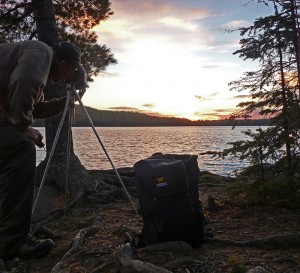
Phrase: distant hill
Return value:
(105, 118)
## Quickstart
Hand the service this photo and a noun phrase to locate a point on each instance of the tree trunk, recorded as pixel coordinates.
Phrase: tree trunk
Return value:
(296, 31)
(45, 21)
(47, 32)
(286, 129)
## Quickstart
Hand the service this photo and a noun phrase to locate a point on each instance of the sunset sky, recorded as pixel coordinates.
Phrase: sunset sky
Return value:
(174, 57)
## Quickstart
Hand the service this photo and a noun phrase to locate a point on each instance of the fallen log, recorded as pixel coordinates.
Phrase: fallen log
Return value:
(128, 262)
(281, 241)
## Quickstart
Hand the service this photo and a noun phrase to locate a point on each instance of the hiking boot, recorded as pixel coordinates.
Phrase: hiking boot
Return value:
(3, 268)
(33, 248)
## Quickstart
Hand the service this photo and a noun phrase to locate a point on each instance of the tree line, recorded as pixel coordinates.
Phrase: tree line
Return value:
(106, 118)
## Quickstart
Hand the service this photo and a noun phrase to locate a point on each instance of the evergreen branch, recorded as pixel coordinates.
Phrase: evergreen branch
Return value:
(16, 8)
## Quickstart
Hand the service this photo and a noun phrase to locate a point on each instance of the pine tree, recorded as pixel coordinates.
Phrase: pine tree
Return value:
(274, 88)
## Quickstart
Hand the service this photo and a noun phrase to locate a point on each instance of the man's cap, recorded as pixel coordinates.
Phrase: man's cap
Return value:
(70, 52)
(67, 51)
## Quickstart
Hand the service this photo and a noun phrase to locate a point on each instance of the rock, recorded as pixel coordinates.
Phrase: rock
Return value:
(258, 269)
(212, 204)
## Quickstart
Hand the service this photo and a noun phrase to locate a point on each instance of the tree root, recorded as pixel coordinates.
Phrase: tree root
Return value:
(179, 254)
(172, 246)
(76, 245)
(127, 262)
(104, 267)
(176, 263)
(281, 241)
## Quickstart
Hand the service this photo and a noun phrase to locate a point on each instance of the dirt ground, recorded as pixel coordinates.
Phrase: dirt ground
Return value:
(109, 217)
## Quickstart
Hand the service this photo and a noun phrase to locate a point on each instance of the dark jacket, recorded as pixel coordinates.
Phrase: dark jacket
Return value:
(24, 70)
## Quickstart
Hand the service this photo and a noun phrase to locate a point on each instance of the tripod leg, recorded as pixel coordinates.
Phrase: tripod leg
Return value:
(52, 151)
(106, 153)
(68, 159)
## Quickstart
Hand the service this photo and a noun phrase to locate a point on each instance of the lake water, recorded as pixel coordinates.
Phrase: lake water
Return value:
(127, 145)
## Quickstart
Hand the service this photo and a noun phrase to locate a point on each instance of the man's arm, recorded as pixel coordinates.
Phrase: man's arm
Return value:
(26, 82)
(48, 109)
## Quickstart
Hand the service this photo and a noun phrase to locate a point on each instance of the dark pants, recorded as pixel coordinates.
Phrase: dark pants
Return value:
(17, 177)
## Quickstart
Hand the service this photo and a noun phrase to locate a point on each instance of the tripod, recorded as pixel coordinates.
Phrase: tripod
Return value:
(72, 94)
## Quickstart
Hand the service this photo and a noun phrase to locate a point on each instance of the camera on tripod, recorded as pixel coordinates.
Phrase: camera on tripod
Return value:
(79, 82)
(80, 79)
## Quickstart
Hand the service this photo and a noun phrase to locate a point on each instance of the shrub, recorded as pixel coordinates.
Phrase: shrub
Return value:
(282, 191)
(244, 193)
(210, 178)
(254, 171)
(236, 265)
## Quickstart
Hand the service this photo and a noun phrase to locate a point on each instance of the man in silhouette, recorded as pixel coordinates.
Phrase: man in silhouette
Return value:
(25, 68)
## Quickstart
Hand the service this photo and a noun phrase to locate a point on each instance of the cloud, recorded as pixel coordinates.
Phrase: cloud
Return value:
(229, 110)
(210, 66)
(241, 97)
(148, 105)
(124, 108)
(176, 22)
(200, 98)
(214, 94)
(137, 9)
(220, 116)
(210, 116)
(135, 109)
(207, 97)
(197, 114)
(235, 24)
(215, 113)
(109, 74)
(134, 20)
(153, 113)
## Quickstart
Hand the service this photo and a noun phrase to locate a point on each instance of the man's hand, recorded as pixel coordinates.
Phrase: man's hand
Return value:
(34, 135)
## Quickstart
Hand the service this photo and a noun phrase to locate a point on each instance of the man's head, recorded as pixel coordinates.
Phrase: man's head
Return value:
(67, 63)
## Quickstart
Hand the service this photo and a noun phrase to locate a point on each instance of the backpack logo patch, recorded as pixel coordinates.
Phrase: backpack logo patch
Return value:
(161, 182)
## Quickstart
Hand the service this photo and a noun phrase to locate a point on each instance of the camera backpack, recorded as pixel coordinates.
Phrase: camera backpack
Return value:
(169, 202)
